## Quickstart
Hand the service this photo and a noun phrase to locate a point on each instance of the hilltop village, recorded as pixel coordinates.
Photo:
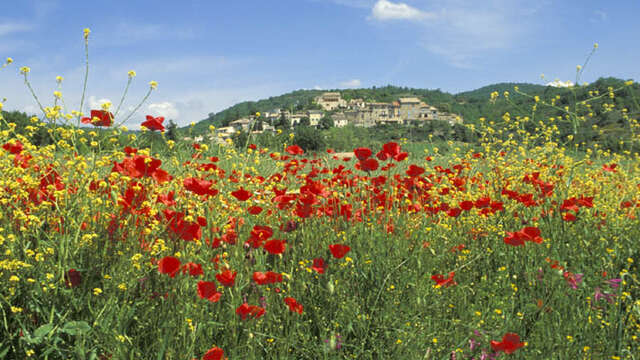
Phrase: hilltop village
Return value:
(356, 112)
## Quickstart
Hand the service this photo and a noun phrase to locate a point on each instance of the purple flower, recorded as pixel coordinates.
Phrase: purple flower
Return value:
(600, 295)
(614, 283)
(472, 344)
(573, 279)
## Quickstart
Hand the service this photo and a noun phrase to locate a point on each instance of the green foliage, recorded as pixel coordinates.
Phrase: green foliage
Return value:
(476, 104)
(283, 123)
(326, 122)
(308, 138)
(172, 131)
(305, 121)
(22, 121)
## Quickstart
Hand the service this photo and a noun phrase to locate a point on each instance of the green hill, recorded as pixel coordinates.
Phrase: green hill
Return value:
(471, 105)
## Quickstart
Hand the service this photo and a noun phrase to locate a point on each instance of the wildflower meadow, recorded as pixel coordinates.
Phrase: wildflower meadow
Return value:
(126, 245)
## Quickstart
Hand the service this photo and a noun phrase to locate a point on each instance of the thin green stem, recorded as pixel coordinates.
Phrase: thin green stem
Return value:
(86, 77)
(126, 89)
(137, 107)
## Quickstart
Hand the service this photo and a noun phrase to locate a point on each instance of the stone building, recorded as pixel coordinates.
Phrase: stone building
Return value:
(330, 101)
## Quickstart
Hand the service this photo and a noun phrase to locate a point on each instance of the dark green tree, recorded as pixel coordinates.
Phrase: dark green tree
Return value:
(326, 122)
(284, 123)
(305, 121)
(308, 138)
(172, 131)
(259, 125)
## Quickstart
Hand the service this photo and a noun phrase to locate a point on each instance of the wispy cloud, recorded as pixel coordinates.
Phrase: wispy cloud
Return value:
(166, 109)
(599, 16)
(362, 4)
(7, 28)
(353, 83)
(461, 31)
(386, 10)
(127, 33)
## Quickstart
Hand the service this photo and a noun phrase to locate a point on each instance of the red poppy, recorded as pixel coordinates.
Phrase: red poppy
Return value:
(14, 147)
(199, 186)
(169, 265)
(193, 269)
(382, 156)
(339, 250)
(241, 194)
(215, 353)
(245, 310)
(369, 164)
(266, 278)
(513, 239)
(130, 151)
(294, 306)
(444, 282)
(254, 210)
(227, 277)
(466, 205)
(454, 212)
(319, 265)
(415, 171)
(99, 118)
(275, 247)
(141, 166)
(401, 156)
(609, 168)
(207, 290)
(259, 235)
(154, 123)
(510, 343)
(294, 150)
(72, 278)
(531, 233)
(391, 148)
(362, 153)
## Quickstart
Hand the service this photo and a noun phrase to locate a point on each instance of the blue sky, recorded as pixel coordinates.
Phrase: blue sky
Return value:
(207, 55)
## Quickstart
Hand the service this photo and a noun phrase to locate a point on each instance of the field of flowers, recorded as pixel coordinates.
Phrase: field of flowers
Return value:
(520, 248)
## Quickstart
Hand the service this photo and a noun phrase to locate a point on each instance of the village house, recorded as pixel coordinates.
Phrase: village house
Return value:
(428, 113)
(296, 119)
(452, 119)
(315, 116)
(404, 111)
(356, 104)
(225, 132)
(409, 108)
(270, 115)
(330, 101)
(242, 124)
(339, 120)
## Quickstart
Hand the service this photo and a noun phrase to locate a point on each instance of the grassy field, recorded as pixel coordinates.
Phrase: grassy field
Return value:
(200, 252)
(116, 245)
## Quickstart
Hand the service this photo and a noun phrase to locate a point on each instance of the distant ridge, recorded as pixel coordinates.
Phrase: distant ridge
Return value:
(470, 104)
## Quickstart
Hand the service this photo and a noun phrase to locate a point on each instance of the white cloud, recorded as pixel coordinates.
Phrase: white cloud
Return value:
(351, 83)
(558, 83)
(127, 33)
(464, 32)
(166, 109)
(96, 104)
(8, 28)
(599, 16)
(387, 10)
